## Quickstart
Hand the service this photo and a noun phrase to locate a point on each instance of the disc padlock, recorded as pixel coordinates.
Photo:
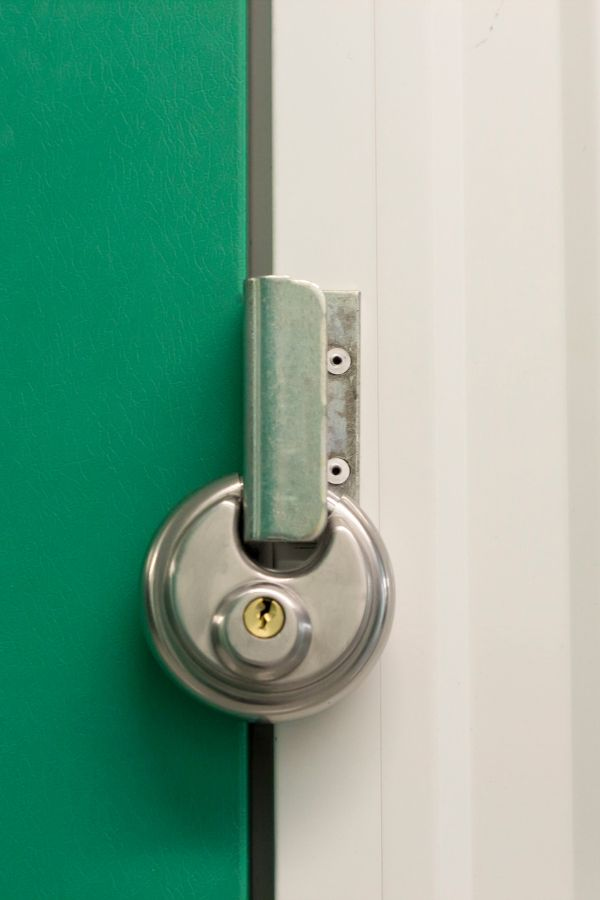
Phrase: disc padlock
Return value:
(272, 639)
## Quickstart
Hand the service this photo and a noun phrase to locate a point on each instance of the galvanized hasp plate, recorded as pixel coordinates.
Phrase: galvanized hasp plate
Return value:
(343, 388)
(285, 449)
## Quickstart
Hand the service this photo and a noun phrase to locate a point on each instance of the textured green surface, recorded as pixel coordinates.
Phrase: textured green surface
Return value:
(122, 190)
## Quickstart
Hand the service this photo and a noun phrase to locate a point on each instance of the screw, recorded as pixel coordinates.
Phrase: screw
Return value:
(338, 361)
(338, 470)
(264, 617)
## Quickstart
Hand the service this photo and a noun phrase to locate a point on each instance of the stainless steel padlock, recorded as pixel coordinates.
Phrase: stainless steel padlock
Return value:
(201, 586)
(281, 634)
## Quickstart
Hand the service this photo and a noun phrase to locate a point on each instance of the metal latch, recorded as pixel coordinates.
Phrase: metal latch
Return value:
(301, 414)
(269, 596)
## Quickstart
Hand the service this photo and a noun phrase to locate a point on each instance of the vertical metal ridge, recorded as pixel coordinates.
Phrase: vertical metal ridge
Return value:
(253, 474)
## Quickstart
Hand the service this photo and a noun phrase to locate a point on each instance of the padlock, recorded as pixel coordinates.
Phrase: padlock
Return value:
(268, 600)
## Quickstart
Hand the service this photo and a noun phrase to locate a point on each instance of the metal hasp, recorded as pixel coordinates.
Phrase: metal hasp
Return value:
(343, 383)
(284, 468)
(301, 411)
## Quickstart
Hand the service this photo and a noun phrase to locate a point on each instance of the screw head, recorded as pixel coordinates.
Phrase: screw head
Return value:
(264, 617)
(338, 361)
(338, 470)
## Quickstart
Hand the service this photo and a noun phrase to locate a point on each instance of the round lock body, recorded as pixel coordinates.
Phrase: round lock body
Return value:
(262, 643)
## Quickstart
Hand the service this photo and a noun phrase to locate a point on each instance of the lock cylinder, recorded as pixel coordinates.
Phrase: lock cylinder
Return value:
(261, 630)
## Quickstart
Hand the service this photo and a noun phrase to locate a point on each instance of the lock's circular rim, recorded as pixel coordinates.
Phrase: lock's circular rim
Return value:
(230, 686)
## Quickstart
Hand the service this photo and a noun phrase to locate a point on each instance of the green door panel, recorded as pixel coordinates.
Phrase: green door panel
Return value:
(122, 195)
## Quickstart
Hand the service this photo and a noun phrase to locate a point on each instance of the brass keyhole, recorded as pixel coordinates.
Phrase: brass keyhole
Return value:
(264, 617)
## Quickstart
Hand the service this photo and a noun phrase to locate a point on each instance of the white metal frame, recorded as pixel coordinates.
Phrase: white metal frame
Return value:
(328, 798)
(442, 157)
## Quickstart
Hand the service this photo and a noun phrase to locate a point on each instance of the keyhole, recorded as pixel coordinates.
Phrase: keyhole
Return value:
(264, 617)
(264, 613)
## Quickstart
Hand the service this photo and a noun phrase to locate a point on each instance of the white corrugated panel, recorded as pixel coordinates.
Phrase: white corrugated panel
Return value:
(443, 157)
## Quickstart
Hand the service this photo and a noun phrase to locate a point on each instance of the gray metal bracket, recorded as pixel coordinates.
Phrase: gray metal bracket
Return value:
(302, 406)
(343, 392)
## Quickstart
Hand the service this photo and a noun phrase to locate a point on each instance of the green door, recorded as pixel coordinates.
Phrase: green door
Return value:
(123, 199)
